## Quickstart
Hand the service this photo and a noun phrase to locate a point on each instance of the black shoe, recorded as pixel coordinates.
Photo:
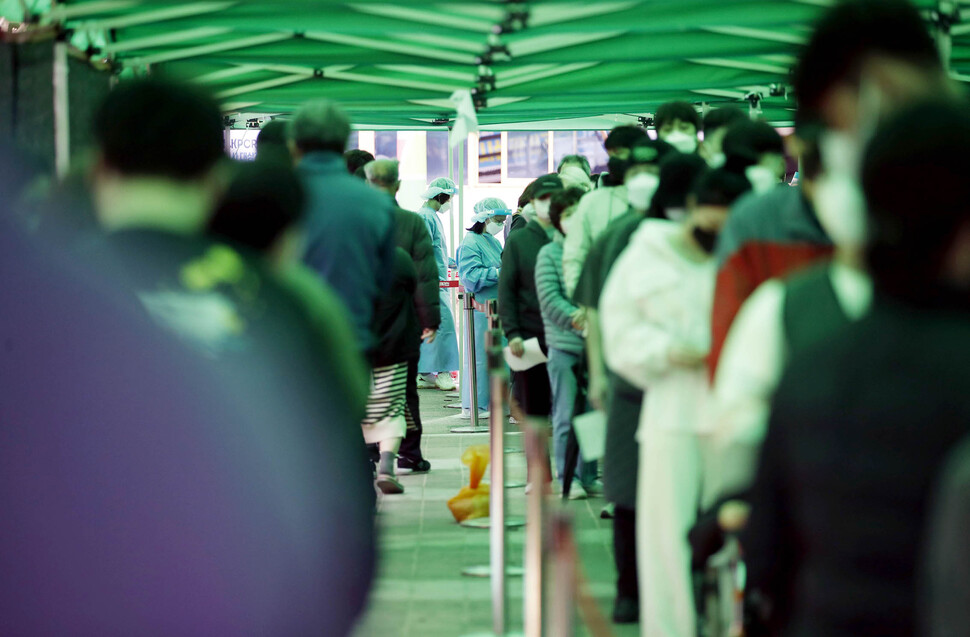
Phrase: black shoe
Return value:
(416, 466)
(626, 611)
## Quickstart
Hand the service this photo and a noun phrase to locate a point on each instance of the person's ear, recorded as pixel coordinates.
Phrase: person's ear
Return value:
(397, 186)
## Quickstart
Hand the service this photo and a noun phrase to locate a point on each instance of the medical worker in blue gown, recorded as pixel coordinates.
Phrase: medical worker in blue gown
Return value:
(479, 260)
(440, 357)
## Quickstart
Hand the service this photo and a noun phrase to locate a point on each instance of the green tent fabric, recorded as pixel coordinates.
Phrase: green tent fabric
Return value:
(396, 64)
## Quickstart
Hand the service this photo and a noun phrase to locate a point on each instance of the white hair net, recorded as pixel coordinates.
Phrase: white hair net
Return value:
(441, 185)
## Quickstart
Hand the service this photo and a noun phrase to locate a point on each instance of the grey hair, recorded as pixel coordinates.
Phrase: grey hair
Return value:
(383, 172)
(320, 125)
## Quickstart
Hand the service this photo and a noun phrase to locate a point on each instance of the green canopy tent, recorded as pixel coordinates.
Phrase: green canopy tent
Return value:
(528, 64)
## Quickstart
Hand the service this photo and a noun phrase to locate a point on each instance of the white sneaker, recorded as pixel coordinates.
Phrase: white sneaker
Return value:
(424, 383)
(466, 414)
(577, 492)
(444, 382)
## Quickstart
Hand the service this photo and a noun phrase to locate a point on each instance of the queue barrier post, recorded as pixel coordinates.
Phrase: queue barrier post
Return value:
(470, 357)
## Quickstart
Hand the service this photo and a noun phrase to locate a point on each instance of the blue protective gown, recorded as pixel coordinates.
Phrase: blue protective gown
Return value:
(442, 354)
(479, 260)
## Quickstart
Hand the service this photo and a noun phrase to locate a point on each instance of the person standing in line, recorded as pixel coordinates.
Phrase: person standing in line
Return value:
(678, 124)
(716, 123)
(440, 357)
(563, 322)
(518, 301)
(412, 236)
(349, 228)
(655, 313)
(479, 263)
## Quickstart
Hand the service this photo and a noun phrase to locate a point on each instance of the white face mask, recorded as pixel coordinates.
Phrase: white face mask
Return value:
(529, 211)
(445, 207)
(542, 208)
(493, 228)
(839, 203)
(682, 141)
(716, 160)
(640, 190)
(762, 178)
(564, 224)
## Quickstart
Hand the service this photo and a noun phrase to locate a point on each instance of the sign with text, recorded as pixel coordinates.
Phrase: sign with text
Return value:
(241, 144)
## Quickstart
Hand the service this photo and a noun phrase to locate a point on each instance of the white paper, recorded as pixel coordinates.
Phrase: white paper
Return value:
(591, 433)
(466, 119)
(533, 356)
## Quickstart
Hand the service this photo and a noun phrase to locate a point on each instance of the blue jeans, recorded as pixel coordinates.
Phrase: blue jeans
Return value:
(562, 380)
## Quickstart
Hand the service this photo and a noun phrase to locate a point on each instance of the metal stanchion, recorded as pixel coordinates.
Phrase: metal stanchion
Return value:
(561, 611)
(535, 545)
(472, 379)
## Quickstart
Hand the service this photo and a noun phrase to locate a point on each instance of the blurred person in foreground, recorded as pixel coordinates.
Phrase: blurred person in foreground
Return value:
(862, 420)
(412, 237)
(201, 434)
(655, 313)
(350, 226)
(564, 323)
(518, 300)
(439, 358)
(864, 59)
(792, 310)
(601, 206)
(716, 123)
(479, 263)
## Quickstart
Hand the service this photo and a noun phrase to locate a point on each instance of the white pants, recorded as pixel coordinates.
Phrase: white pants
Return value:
(670, 488)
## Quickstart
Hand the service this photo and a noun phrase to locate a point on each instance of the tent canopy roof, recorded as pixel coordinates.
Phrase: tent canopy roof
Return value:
(396, 64)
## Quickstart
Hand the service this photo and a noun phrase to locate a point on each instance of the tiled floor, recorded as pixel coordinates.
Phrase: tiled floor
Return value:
(420, 591)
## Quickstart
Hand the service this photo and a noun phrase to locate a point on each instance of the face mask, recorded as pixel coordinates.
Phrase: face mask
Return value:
(762, 178)
(617, 168)
(706, 239)
(683, 142)
(494, 228)
(716, 160)
(676, 214)
(640, 190)
(542, 208)
(564, 224)
(445, 207)
(839, 203)
(529, 212)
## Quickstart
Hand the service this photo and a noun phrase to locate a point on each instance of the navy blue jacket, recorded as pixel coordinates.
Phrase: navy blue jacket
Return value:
(350, 237)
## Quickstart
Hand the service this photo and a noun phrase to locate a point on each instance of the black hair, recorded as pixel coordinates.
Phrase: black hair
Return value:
(721, 117)
(357, 158)
(575, 159)
(746, 141)
(561, 200)
(161, 128)
(623, 137)
(477, 228)
(678, 172)
(851, 31)
(684, 111)
(526, 195)
(441, 198)
(720, 187)
(914, 177)
(263, 200)
(271, 142)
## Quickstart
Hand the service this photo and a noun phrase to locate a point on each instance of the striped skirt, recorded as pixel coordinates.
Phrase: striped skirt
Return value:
(386, 406)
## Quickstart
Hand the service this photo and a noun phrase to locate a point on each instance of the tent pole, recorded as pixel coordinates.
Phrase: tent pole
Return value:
(62, 120)
(451, 242)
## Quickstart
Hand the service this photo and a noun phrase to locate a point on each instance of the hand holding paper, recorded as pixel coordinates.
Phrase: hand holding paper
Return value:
(531, 356)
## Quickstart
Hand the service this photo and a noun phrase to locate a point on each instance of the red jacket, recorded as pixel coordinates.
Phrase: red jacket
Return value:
(766, 236)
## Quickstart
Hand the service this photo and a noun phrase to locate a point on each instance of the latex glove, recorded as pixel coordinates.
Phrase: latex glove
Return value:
(428, 335)
(517, 346)
(687, 357)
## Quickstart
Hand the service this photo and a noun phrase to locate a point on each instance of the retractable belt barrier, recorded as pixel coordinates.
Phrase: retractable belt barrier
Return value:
(470, 356)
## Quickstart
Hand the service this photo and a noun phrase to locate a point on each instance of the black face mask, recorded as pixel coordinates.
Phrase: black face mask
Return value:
(706, 239)
(617, 168)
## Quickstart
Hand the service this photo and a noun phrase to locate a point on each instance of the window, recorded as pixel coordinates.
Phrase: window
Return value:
(437, 154)
(385, 144)
(528, 154)
(583, 142)
(490, 158)
(353, 141)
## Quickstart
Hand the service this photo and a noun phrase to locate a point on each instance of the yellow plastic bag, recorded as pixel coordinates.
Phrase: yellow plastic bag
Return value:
(472, 501)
